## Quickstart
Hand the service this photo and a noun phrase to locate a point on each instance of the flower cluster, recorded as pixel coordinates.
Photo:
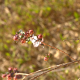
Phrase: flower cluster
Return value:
(28, 36)
(10, 75)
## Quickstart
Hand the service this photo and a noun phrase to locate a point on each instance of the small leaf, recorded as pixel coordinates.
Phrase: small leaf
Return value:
(7, 54)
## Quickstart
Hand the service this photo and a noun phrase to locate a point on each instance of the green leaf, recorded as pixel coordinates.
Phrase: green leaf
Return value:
(7, 54)
(20, 61)
(76, 15)
(62, 77)
(61, 37)
(48, 8)
(6, 47)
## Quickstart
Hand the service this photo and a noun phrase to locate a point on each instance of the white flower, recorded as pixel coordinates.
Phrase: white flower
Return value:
(35, 41)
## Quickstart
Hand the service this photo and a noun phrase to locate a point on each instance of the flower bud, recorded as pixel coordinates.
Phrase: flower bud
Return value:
(23, 41)
(10, 69)
(9, 77)
(31, 32)
(4, 75)
(15, 37)
(45, 58)
(39, 36)
(15, 70)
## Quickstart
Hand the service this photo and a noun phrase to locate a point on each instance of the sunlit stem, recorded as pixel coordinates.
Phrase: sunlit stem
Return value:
(58, 50)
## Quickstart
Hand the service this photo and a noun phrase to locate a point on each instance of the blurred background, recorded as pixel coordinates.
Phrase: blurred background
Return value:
(59, 23)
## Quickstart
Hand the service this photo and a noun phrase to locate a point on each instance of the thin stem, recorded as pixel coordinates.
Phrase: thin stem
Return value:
(53, 68)
(58, 50)
(46, 70)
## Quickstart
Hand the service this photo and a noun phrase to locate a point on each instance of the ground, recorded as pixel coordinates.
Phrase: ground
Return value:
(59, 23)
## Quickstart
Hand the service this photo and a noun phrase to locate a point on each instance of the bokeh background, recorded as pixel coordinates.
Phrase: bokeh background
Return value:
(59, 23)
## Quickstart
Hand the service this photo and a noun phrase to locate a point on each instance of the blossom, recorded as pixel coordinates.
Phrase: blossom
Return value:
(29, 36)
(35, 41)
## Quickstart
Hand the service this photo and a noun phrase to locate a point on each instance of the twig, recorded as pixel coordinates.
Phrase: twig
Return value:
(38, 73)
(58, 50)
(53, 68)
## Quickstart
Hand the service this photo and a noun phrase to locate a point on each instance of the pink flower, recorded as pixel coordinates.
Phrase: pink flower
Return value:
(37, 43)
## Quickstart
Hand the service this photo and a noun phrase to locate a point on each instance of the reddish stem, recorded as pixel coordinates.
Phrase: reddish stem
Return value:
(58, 50)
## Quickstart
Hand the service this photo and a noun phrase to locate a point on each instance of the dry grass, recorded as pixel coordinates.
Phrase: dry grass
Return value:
(57, 20)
